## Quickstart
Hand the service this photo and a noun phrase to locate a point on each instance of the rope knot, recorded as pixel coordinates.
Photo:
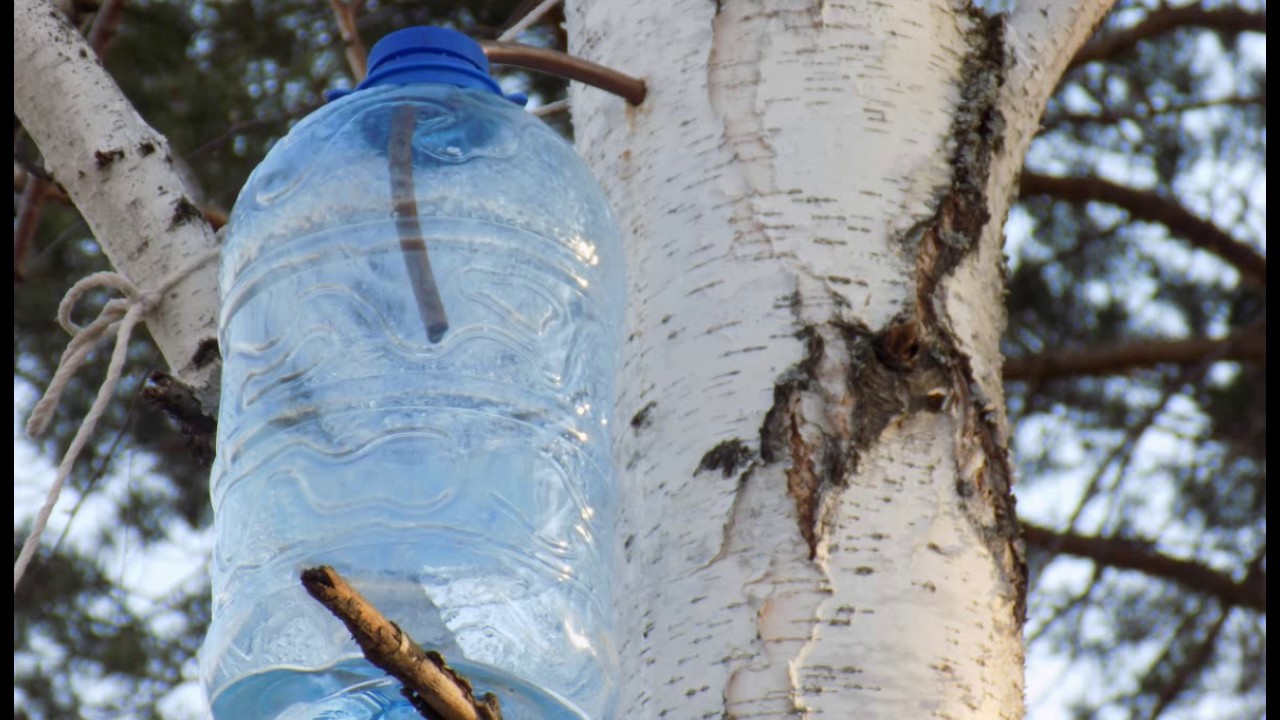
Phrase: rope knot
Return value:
(117, 318)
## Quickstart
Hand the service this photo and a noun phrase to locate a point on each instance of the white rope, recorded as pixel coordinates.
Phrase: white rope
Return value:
(117, 318)
(523, 23)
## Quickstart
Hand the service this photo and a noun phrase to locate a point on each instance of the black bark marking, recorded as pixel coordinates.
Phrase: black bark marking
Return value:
(643, 418)
(818, 459)
(146, 148)
(726, 457)
(206, 352)
(104, 158)
(184, 211)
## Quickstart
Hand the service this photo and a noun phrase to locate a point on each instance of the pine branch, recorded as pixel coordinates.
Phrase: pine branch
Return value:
(1192, 666)
(1232, 20)
(1148, 206)
(1142, 556)
(1144, 112)
(1245, 346)
(427, 680)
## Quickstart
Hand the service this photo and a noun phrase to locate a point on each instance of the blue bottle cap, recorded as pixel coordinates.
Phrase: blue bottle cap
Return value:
(427, 55)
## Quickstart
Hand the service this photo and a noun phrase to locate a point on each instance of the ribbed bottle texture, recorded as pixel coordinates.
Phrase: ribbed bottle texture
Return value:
(446, 448)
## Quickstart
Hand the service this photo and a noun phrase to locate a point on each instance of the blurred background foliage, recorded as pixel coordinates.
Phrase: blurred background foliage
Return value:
(1136, 345)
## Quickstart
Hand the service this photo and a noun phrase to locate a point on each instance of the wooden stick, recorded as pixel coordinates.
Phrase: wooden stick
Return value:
(433, 687)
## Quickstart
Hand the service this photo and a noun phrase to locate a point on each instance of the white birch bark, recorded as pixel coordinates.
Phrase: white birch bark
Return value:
(119, 172)
(817, 517)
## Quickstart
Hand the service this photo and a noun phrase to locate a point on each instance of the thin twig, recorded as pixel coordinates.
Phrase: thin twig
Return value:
(357, 57)
(629, 88)
(404, 207)
(243, 125)
(105, 24)
(1147, 206)
(528, 20)
(1125, 447)
(1070, 606)
(551, 108)
(1193, 664)
(424, 674)
(26, 223)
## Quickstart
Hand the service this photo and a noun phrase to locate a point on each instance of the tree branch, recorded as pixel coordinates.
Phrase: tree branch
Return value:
(427, 679)
(105, 25)
(1148, 206)
(1159, 22)
(357, 57)
(1246, 346)
(118, 171)
(1141, 556)
(103, 30)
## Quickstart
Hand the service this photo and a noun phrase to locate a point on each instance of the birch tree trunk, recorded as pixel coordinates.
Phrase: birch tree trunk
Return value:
(817, 509)
(816, 489)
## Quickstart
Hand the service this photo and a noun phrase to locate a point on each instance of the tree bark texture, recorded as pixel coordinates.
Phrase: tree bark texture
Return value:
(119, 172)
(817, 511)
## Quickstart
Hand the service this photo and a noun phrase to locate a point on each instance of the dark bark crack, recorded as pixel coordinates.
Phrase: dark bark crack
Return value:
(178, 401)
(984, 479)
(820, 426)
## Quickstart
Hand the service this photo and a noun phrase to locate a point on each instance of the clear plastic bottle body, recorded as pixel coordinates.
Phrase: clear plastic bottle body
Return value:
(464, 485)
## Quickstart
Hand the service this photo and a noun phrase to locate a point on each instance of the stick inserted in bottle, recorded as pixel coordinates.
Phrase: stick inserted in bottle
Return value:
(408, 226)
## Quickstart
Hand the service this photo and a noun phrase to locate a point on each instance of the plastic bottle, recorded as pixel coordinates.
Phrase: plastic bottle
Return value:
(422, 295)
